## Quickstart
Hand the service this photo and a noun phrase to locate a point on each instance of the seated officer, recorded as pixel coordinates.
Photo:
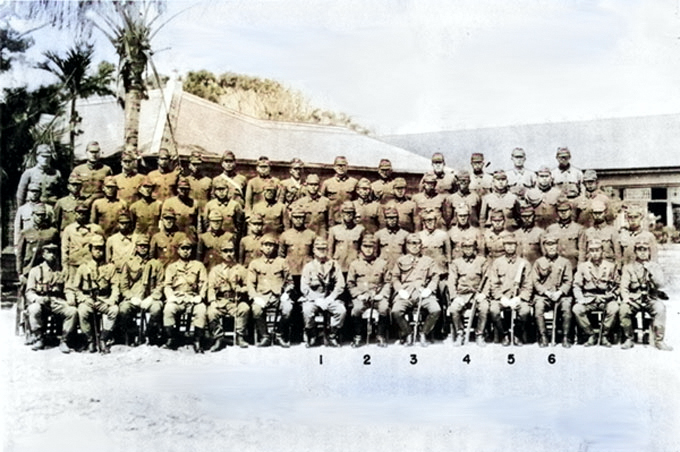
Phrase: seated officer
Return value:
(640, 284)
(269, 286)
(185, 288)
(228, 296)
(464, 283)
(368, 282)
(414, 281)
(595, 283)
(510, 288)
(44, 292)
(552, 280)
(321, 285)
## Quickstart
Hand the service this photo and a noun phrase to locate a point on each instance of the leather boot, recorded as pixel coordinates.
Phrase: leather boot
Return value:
(198, 340)
(333, 338)
(241, 341)
(424, 341)
(105, 339)
(63, 346)
(357, 326)
(218, 344)
(480, 341)
(310, 337)
(543, 341)
(278, 338)
(38, 344)
(592, 340)
(381, 341)
(91, 344)
(170, 341)
(356, 342)
(458, 340)
(628, 343)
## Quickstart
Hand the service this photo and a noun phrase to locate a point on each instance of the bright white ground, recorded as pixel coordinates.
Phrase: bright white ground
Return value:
(283, 400)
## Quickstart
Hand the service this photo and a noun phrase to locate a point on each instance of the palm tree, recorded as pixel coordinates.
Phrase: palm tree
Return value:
(72, 72)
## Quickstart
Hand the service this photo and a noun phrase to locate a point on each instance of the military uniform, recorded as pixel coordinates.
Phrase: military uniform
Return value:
(544, 201)
(255, 190)
(272, 214)
(93, 179)
(368, 215)
(24, 218)
(406, 209)
(105, 211)
(480, 182)
(459, 233)
(146, 215)
(232, 214)
(520, 178)
(436, 245)
(31, 242)
(185, 288)
(296, 247)
(469, 198)
(529, 242)
(49, 180)
(318, 210)
(464, 280)
(228, 295)
(75, 249)
(436, 202)
(236, 184)
(607, 235)
(569, 175)
(165, 183)
(497, 200)
(209, 247)
(338, 190)
(65, 211)
(391, 244)
(493, 244)
(186, 212)
(343, 242)
(119, 248)
(128, 186)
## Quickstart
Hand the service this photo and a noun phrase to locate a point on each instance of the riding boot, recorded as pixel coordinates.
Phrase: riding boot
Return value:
(105, 338)
(170, 341)
(198, 340)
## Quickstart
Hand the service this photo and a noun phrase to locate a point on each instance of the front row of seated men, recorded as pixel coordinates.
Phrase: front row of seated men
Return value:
(371, 288)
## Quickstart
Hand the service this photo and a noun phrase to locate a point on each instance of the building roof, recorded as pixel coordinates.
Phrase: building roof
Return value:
(617, 143)
(200, 124)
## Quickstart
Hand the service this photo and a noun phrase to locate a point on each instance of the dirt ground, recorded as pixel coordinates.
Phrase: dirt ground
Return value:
(302, 399)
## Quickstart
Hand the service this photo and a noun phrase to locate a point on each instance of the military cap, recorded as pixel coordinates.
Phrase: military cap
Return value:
(220, 183)
(462, 209)
(550, 238)
(589, 175)
(468, 241)
(391, 212)
(399, 182)
(183, 183)
(181, 240)
(124, 217)
(256, 218)
(263, 161)
(543, 170)
(634, 211)
(142, 239)
(93, 146)
(464, 174)
(298, 211)
(385, 163)
(75, 179)
(83, 207)
(429, 214)
(43, 149)
(437, 157)
(564, 204)
(497, 214)
(97, 241)
(147, 182)
(228, 155)
(414, 238)
(641, 242)
(34, 186)
(196, 157)
(429, 178)
(312, 179)
(499, 174)
(163, 152)
(368, 239)
(563, 151)
(364, 183)
(526, 209)
(227, 243)
(320, 242)
(110, 181)
(169, 213)
(477, 157)
(39, 209)
(215, 215)
(270, 184)
(594, 244)
(269, 238)
(296, 163)
(571, 190)
(518, 152)
(128, 156)
(348, 206)
(598, 206)
(508, 237)
(50, 246)
(340, 160)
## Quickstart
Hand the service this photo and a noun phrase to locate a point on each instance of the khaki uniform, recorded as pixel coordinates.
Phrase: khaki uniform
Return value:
(471, 199)
(185, 280)
(75, 246)
(45, 292)
(569, 176)
(508, 278)
(413, 274)
(321, 285)
(369, 284)
(584, 210)
(569, 239)
(507, 202)
(458, 234)
(255, 190)
(163, 248)
(438, 203)
(368, 215)
(30, 246)
(237, 185)
(141, 286)
(338, 190)
(493, 244)
(119, 248)
(287, 184)
(96, 289)
(93, 179)
(343, 243)
(610, 242)
(546, 209)
(273, 215)
(51, 184)
(208, 250)
(146, 216)
(518, 179)
(296, 247)
(550, 275)
(249, 249)
(593, 288)
(128, 186)
(446, 182)
(465, 276)
(627, 239)
(639, 282)
(391, 245)
(24, 219)
(65, 211)
(228, 295)
(165, 184)
(436, 245)
(187, 214)
(529, 243)
(406, 209)
(232, 215)
(317, 209)
(199, 189)
(269, 284)
(105, 213)
(383, 190)
(481, 183)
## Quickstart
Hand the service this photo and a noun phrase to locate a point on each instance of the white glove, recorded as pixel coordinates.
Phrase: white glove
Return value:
(261, 302)
(426, 292)
(505, 302)
(514, 302)
(555, 295)
(480, 297)
(197, 299)
(403, 294)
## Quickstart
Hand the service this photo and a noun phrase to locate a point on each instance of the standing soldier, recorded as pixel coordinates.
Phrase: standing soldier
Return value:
(641, 282)
(428, 200)
(269, 286)
(210, 241)
(186, 209)
(462, 229)
(529, 235)
(437, 246)
(200, 186)
(251, 245)
(543, 197)
(105, 210)
(294, 183)
(602, 232)
(344, 238)
(316, 205)
(162, 242)
(633, 232)
(466, 196)
(92, 173)
(48, 178)
(510, 288)
(445, 180)
(256, 185)
(228, 296)
(493, 236)
(129, 180)
(565, 173)
(392, 238)
(65, 208)
(569, 233)
(31, 240)
(44, 293)
(321, 285)
(480, 181)
(141, 287)
(96, 289)
(185, 288)
(595, 283)
(295, 245)
(591, 193)
(146, 212)
(383, 188)
(120, 246)
(368, 282)
(552, 280)
(464, 282)
(271, 210)
(230, 209)
(338, 189)
(367, 210)
(414, 281)
(405, 208)
(75, 240)
(519, 178)
(24, 215)
(236, 183)
(165, 177)
(500, 198)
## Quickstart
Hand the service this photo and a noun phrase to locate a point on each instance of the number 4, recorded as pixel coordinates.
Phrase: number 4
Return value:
(466, 359)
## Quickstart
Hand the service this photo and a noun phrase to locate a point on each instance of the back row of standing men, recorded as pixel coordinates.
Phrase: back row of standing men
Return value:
(170, 209)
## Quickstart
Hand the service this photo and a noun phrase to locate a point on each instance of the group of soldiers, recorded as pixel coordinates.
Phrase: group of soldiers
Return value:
(176, 246)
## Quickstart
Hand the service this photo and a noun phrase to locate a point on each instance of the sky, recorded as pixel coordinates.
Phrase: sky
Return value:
(406, 66)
